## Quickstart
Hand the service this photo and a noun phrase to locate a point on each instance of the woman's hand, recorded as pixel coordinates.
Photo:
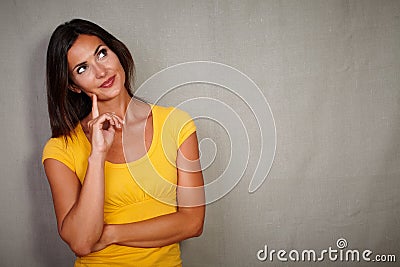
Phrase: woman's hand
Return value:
(102, 128)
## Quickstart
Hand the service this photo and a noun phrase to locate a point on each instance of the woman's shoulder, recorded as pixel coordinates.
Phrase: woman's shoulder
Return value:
(173, 117)
(67, 149)
(64, 141)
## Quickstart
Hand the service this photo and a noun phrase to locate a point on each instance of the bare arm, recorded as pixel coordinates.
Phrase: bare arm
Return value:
(167, 229)
(80, 209)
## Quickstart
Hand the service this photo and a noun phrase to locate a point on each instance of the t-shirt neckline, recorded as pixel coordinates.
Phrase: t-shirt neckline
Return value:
(137, 161)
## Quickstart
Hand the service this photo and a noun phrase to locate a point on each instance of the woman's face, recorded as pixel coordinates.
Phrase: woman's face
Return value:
(94, 68)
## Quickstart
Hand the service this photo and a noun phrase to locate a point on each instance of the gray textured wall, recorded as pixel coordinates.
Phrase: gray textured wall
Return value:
(330, 71)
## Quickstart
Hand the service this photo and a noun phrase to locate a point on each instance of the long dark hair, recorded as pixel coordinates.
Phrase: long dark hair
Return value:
(66, 108)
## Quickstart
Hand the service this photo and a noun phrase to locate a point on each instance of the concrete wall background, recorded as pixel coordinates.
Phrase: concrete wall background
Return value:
(330, 71)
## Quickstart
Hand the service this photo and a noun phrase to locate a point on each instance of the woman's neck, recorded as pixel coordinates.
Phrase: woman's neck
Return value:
(117, 105)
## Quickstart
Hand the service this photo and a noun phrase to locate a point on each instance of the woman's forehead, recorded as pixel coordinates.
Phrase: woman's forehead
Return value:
(83, 48)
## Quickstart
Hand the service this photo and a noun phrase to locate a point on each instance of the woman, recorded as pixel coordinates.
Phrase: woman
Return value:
(114, 209)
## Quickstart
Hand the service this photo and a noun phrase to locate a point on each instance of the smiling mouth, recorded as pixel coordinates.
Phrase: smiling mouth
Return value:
(108, 83)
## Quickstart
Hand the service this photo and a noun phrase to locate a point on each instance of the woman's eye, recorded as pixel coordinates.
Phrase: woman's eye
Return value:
(102, 53)
(81, 69)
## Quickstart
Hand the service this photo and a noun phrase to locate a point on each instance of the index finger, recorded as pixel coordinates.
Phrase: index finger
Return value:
(95, 108)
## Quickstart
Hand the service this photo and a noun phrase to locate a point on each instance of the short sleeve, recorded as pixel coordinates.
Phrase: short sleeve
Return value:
(184, 125)
(56, 148)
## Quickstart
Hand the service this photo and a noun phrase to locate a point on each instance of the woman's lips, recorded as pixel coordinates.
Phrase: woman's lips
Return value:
(108, 83)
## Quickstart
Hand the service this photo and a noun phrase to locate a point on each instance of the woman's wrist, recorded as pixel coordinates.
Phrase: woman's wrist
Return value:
(97, 157)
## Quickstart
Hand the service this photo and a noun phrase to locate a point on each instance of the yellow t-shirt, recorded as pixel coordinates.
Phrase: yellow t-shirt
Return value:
(134, 191)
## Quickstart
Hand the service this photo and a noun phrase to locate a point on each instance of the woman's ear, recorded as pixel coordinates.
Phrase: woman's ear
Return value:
(74, 88)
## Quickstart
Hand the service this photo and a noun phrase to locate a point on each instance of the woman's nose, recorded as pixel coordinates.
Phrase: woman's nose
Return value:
(100, 70)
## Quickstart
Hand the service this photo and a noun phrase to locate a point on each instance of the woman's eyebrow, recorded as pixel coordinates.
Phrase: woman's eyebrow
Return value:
(94, 54)
(97, 49)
